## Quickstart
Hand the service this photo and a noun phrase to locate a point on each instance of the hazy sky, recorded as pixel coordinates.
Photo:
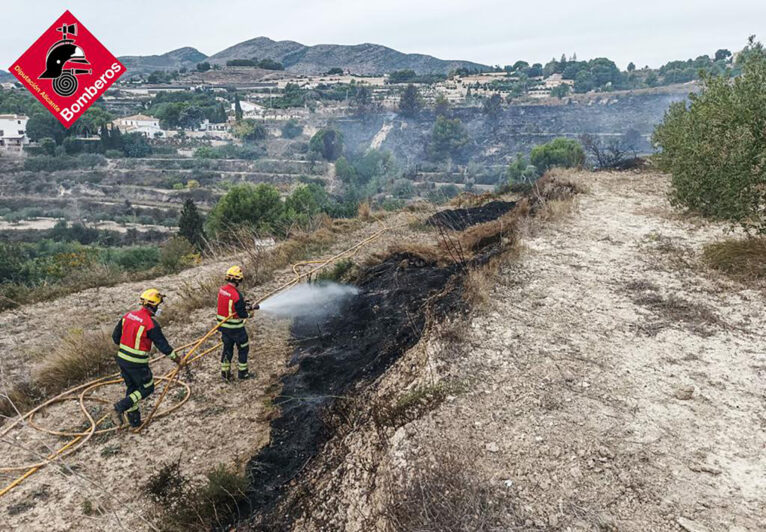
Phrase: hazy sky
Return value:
(647, 32)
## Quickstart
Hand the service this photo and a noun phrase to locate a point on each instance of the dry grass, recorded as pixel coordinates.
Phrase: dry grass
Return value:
(469, 199)
(181, 506)
(478, 284)
(743, 259)
(79, 357)
(445, 494)
(672, 310)
(363, 212)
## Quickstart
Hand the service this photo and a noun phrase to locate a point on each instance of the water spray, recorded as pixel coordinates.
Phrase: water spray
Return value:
(308, 299)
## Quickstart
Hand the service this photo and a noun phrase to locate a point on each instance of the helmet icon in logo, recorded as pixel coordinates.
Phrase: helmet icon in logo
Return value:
(61, 62)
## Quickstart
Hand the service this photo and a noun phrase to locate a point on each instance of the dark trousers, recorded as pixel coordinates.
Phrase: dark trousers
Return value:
(139, 382)
(230, 337)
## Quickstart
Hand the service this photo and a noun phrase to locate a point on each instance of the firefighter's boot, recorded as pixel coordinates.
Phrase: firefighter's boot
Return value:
(118, 415)
(134, 418)
(243, 375)
(226, 375)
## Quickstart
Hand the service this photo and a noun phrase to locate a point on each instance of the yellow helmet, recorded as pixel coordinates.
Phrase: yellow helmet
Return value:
(151, 297)
(234, 274)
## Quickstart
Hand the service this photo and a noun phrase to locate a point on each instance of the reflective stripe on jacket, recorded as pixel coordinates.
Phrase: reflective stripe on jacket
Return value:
(231, 303)
(135, 343)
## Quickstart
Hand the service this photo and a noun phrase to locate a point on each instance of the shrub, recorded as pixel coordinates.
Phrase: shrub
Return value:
(563, 152)
(256, 206)
(743, 259)
(177, 254)
(448, 137)
(186, 507)
(328, 143)
(249, 130)
(715, 147)
(292, 129)
(446, 494)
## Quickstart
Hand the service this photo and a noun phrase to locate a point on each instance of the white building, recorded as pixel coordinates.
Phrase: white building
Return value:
(13, 132)
(144, 124)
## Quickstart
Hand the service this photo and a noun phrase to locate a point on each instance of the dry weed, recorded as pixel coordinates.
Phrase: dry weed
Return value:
(79, 356)
(743, 259)
(445, 494)
(363, 212)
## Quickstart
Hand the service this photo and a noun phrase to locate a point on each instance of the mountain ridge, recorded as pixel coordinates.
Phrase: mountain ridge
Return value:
(298, 58)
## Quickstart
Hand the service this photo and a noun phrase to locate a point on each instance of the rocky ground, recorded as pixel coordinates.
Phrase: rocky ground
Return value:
(609, 382)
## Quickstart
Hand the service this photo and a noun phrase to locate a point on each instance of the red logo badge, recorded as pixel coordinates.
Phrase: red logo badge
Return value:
(67, 69)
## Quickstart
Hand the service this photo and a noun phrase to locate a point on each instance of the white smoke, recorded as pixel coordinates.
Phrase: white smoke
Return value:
(308, 299)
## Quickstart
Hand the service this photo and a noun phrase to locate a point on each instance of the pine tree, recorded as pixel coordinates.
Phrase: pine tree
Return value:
(237, 108)
(410, 102)
(190, 224)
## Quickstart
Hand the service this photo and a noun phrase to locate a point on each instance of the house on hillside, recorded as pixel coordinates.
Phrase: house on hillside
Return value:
(144, 124)
(13, 133)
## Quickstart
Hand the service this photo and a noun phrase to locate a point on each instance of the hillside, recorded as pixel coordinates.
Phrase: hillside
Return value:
(301, 59)
(186, 57)
(576, 348)
(6, 76)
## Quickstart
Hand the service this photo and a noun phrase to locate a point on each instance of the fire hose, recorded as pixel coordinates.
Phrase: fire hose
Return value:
(192, 354)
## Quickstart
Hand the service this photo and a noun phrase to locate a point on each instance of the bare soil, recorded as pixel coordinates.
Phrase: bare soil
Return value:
(613, 381)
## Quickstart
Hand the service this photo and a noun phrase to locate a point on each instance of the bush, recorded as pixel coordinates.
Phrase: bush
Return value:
(448, 138)
(230, 151)
(715, 147)
(292, 129)
(249, 130)
(256, 206)
(185, 507)
(177, 254)
(563, 152)
(328, 143)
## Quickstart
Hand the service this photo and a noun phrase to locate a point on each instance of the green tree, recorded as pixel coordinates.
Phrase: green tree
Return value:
(256, 206)
(305, 202)
(410, 102)
(715, 146)
(191, 223)
(203, 66)
(560, 91)
(136, 145)
(563, 152)
(237, 108)
(48, 145)
(584, 81)
(448, 137)
(328, 143)
(722, 55)
(521, 171)
(335, 71)
(44, 124)
(249, 130)
(191, 117)
(631, 67)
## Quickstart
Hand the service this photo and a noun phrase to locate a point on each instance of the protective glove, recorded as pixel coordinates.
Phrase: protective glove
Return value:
(174, 357)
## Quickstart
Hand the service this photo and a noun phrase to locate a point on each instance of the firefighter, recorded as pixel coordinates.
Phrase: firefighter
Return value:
(135, 333)
(232, 303)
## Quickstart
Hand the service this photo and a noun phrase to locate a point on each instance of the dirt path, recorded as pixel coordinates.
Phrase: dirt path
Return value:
(612, 387)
